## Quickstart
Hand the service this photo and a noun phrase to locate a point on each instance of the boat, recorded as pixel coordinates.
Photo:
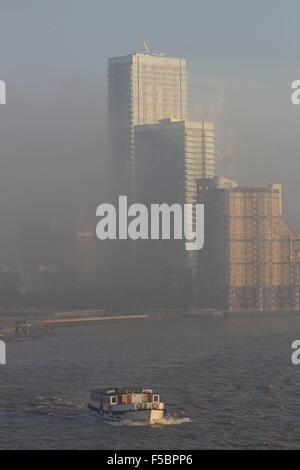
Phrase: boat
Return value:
(127, 404)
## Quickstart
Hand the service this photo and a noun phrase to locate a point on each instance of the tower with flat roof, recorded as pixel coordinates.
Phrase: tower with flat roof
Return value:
(142, 89)
(251, 257)
(170, 156)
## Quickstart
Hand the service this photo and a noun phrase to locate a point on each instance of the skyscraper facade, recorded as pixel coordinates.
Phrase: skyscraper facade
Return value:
(251, 256)
(170, 156)
(142, 89)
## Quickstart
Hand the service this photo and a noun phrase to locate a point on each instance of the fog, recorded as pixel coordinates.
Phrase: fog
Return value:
(53, 130)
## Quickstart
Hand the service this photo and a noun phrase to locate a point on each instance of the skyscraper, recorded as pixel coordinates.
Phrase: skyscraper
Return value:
(142, 89)
(170, 156)
(251, 257)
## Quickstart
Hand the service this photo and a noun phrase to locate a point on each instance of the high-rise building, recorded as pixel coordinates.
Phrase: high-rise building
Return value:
(170, 156)
(142, 89)
(251, 256)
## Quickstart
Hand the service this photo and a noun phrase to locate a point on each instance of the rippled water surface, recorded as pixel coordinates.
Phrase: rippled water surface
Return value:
(227, 383)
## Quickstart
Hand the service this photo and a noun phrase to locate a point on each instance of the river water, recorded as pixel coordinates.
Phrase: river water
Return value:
(227, 384)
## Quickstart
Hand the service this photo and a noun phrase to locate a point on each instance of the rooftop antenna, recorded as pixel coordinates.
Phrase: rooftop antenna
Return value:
(146, 49)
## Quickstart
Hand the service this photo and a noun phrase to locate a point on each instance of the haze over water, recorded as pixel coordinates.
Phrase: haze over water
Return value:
(227, 383)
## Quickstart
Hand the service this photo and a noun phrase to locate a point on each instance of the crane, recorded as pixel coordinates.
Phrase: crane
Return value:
(146, 49)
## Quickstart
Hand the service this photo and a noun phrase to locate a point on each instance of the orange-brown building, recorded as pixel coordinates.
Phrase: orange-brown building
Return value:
(251, 256)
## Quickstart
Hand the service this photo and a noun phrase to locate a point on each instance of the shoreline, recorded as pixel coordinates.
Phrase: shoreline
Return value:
(40, 324)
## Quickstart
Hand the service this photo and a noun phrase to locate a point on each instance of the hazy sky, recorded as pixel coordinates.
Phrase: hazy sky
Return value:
(242, 57)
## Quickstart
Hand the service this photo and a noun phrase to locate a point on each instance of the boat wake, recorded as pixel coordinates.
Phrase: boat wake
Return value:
(167, 421)
(171, 420)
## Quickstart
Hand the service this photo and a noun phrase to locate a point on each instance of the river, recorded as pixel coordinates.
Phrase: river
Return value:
(228, 383)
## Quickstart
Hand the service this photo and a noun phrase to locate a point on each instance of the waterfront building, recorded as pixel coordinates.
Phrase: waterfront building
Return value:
(170, 156)
(251, 256)
(143, 88)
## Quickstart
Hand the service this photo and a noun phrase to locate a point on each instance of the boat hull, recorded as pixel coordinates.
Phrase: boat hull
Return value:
(151, 416)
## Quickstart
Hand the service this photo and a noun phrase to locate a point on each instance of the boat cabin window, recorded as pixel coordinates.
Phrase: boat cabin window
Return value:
(113, 400)
(155, 397)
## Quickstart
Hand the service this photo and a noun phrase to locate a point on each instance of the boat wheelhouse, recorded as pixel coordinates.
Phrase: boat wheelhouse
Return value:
(132, 404)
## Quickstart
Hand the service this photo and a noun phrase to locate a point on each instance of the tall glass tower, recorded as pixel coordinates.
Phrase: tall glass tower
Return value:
(142, 89)
(170, 157)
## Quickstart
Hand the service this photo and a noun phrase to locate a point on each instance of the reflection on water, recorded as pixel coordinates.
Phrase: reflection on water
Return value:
(227, 383)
